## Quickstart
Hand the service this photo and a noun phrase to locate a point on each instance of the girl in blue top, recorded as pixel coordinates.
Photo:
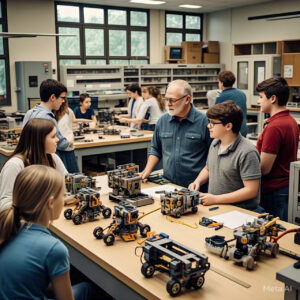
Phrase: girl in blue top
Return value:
(30, 257)
(84, 110)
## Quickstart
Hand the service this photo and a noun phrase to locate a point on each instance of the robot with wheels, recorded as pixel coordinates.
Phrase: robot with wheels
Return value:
(125, 225)
(185, 266)
(180, 202)
(250, 242)
(88, 208)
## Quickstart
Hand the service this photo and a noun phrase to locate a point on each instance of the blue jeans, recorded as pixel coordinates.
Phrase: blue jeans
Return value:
(276, 203)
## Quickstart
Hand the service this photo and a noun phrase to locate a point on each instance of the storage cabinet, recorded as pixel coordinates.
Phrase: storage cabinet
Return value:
(108, 82)
(291, 62)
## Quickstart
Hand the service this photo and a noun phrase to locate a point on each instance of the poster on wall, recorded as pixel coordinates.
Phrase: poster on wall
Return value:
(288, 71)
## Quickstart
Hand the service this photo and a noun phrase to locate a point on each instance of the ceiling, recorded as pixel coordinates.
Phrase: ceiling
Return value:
(207, 5)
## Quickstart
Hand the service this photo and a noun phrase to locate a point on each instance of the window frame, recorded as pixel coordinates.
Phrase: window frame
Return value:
(106, 27)
(183, 30)
(5, 55)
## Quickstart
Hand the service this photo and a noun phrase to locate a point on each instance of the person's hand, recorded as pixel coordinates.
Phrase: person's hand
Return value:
(145, 174)
(122, 120)
(208, 199)
(117, 116)
(194, 186)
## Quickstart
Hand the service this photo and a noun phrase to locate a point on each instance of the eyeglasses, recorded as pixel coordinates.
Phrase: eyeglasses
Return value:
(174, 100)
(65, 98)
(212, 124)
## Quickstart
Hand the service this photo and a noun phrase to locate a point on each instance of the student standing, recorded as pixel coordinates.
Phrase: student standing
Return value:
(277, 145)
(65, 118)
(226, 81)
(151, 109)
(232, 166)
(30, 257)
(53, 94)
(181, 138)
(134, 92)
(37, 145)
(84, 110)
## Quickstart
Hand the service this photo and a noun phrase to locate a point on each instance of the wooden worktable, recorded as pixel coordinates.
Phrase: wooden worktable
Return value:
(118, 270)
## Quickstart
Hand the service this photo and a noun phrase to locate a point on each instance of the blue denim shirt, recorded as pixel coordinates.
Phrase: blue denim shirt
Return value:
(40, 112)
(183, 145)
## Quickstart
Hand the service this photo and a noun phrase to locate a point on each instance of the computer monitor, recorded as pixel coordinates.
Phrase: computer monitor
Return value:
(175, 53)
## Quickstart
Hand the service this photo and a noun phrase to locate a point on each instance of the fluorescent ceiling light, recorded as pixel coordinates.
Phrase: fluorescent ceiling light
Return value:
(190, 6)
(150, 2)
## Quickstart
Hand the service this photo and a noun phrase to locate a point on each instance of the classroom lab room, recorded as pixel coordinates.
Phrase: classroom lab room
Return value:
(149, 149)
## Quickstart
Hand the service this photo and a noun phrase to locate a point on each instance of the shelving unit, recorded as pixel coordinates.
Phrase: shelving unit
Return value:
(258, 48)
(108, 82)
(294, 194)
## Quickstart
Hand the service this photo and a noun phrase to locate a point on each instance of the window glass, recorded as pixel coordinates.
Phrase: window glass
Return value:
(117, 43)
(174, 38)
(94, 42)
(192, 22)
(118, 62)
(138, 18)
(69, 45)
(3, 91)
(174, 21)
(0, 9)
(192, 37)
(93, 15)
(138, 62)
(69, 62)
(116, 17)
(138, 43)
(96, 62)
(67, 13)
(1, 42)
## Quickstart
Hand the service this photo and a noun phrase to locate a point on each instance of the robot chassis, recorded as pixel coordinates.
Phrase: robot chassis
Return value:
(180, 202)
(88, 208)
(125, 225)
(251, 241)
(126, 184)
(185, 266)
(74, 182)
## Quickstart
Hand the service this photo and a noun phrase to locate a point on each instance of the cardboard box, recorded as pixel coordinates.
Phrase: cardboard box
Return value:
(210, 58)
(192, 52)
(211, 47)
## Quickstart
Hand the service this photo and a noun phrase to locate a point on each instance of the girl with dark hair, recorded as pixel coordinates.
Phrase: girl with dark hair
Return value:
(150, 111)
(84, 110)
(30, 257)
(37, 145)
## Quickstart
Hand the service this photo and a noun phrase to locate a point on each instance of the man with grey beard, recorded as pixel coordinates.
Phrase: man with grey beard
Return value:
(181, 138)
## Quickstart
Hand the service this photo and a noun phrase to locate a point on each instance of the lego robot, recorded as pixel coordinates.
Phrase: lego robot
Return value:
(185, 266)
(251, 241)
(125, 225)
(126, 184)
(88, 208)
(74, 182)
(180, 202)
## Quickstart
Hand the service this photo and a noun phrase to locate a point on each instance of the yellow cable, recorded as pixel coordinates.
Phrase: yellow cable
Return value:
(173, 220)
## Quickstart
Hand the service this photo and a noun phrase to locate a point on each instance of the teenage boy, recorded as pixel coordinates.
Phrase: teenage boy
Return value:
(226, 81)
(232, 166)
(277, 145)
(53, 94)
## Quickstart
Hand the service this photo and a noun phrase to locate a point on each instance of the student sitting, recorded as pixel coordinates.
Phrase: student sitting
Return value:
(84, 110)
(150, 111)
(37, 146)
(232, 166)
(277, 145)
(30, 257)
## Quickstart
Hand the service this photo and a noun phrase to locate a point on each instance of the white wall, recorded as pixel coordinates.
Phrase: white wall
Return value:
(30, 16)
(232, 26)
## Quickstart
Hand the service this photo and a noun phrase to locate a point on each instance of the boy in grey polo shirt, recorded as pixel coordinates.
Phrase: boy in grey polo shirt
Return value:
(233, 164)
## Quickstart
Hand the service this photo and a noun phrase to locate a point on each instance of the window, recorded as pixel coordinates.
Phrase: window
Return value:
(182, 27)
(102, 34)
(4, 59)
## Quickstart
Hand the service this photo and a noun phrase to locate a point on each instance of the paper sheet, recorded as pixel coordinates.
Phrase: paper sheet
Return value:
(164, 187)
(233, 219)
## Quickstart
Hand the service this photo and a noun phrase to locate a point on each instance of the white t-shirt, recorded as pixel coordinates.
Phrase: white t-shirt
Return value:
(136, 108)
(151, 106)
(65, 128)
(9, 174)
